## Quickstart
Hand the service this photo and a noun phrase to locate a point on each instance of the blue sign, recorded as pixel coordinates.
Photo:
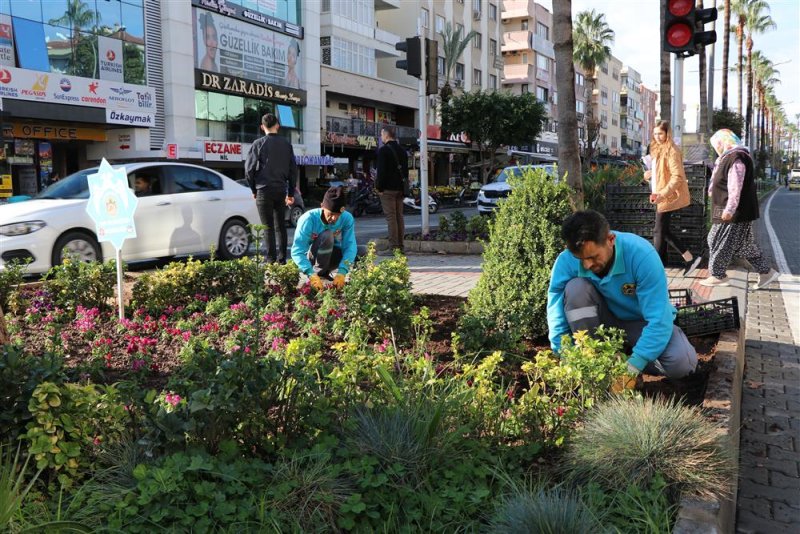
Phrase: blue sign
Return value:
(112, 204)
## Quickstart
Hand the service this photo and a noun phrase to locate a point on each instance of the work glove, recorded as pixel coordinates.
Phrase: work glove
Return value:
(315, 281)
(626, 381)
(338, 281)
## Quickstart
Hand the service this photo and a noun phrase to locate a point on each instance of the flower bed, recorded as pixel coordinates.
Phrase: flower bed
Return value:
(233, 398)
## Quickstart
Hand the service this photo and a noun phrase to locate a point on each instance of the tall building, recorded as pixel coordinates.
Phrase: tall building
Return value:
(631, 112)
(649, 100)
(607, 107)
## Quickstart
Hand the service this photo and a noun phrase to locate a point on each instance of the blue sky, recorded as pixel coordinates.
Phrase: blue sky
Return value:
(638, 41)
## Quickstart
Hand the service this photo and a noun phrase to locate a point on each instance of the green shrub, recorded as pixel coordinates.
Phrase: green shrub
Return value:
(71, 423)
(10, 277)
(378, 296)
(524, 241)
(20, 375)
(632, 509)
(542, 511)
(635, 440)
(79, 283)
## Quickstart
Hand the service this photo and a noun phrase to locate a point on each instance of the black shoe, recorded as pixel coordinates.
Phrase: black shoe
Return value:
(692, 265)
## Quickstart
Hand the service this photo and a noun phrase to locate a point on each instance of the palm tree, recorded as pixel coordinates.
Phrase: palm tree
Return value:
(765, 78)
(726, 42)
(739, 8)
(78, 16)
(569, 159)
(452, 47)
(757, 21)
(703, 125)
(592, 39)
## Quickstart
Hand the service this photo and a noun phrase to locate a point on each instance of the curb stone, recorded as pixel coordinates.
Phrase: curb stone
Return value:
(435, 247)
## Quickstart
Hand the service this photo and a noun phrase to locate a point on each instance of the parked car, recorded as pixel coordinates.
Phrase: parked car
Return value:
(492, 193)
(187, 209)
(794, 179)
(294, 213)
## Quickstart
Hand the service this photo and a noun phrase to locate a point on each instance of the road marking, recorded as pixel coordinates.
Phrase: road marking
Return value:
(787, 282)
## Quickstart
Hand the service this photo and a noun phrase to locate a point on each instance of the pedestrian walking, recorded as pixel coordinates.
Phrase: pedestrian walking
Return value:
(615, 279)
(390, 184)
(271, 171)
(734, 207)
(669, 191)
(325, 241)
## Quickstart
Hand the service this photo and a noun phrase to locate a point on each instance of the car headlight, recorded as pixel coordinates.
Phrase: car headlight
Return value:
(481, 195)
(21, 228)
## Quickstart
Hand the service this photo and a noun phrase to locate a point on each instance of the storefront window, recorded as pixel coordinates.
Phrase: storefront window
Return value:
(201, 104)
(27, 10)
(217, 107)
(109, 16)
(233, 118)
(54, 12)
(59, 48)
(30, 45)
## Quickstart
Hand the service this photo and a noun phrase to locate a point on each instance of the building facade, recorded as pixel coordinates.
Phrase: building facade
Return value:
(631, 112)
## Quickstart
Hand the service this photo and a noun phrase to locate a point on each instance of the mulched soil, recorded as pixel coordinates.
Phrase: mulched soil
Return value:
(445, 312)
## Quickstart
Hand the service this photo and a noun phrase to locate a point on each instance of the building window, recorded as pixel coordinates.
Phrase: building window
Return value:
(524, 25)
(492, 47)
(580, 106)
(360, 11)
(604, 96)
(492, 12)
(543, 62)
(477, 77)
(581, 133)
(542, 31)
(226, 117)
(440, 66)
(424, 18)
(603, 139)
(614, 119)
(615, 74)
(352, 57)
(603, 120)
(613, 142)
(492, 81)
(460, 29)
(439, 24)
(460, 72)
(524, 58)
(603, 67)
(542, 93)
(476, 6)
(579, 79)
(477, 40)
(524, 88)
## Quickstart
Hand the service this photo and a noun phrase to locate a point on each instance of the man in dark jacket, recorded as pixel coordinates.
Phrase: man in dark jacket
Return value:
(271, 172)
(734, 206)
(392, 172)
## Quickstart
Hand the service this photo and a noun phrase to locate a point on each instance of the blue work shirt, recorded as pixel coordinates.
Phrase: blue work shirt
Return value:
(310, 225)
(635, 289)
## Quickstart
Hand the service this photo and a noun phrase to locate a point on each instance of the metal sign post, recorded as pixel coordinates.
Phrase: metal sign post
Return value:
(112, 205)
(423, 138)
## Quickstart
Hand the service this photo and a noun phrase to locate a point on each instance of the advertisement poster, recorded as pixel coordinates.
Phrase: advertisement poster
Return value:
(229, 46)
(6, 41)
(110, 59)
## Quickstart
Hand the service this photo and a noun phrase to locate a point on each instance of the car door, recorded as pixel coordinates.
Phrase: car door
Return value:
(199, 209)
(154, 217)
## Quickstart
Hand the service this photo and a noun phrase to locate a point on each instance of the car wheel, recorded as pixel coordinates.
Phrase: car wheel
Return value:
(234, 239)
(294, 215)
(76, 245)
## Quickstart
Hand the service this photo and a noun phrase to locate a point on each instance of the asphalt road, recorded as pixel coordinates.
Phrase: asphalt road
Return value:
(784, 216)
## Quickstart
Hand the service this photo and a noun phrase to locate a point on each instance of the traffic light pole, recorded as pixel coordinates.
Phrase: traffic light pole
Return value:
(677, 101)
(423, 139)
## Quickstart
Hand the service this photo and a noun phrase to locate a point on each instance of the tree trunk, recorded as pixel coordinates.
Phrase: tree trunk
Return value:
(665, 88)
(748, 119)
(739, 66)
(3, 331)
(702, 127)
(569, 160)
(726, 41)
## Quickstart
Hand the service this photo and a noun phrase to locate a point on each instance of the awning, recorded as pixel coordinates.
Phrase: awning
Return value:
(534, 155)
(451, 147)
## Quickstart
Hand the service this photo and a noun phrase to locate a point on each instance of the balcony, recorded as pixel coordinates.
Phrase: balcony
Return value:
(519, 73)
(386, 4)
(516, 9)
(362, 127)
(516, 41)
(543, 46)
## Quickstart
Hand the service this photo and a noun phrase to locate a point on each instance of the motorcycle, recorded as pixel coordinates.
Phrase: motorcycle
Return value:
(365, 200)
(415, 204)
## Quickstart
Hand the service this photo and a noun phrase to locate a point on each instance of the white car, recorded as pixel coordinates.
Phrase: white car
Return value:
(492, 193)
(188, 209)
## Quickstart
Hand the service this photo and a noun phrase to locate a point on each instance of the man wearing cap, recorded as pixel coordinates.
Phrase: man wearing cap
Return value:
(325, 240)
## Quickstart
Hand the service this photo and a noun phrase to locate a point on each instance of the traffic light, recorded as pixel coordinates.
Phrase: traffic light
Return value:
(413, 62)
(681, 24)
(431, 66)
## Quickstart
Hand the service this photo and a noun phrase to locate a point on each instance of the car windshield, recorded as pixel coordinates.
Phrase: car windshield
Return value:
(74, 186)
(508, 172)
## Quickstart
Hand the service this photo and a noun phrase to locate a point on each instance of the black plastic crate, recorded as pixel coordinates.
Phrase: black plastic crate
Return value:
(645, 231)
(680, 297)
(639, 204)
(619, 217)
(709, 317)
(618, 189)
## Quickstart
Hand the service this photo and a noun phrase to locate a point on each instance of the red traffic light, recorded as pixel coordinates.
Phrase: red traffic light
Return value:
(679, 35)
(679, 8)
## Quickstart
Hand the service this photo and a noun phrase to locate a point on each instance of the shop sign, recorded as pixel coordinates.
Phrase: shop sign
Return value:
(539, 147)
(76, 91)
(130, 118)
(322, 161)
(6, 41)
(220, 151)
(59, 133)
(172, 151)
(229, 9)
(6, 189)
(363, 141)
(110, 59)
(239, 86)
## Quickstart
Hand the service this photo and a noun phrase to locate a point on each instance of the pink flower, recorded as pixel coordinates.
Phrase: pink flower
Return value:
(172, 398)
(96, 441)
(560, 411)
(384, 346)
(510, 393)
(247, 350)
(186, 335)
(278, 343)
(138, 364)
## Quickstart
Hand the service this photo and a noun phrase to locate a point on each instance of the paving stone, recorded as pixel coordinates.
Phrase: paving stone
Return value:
(779, 480)
(748, 523)
(786, 514)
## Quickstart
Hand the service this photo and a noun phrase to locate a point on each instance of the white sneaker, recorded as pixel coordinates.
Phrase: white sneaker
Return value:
(766, 279)
(713, 281)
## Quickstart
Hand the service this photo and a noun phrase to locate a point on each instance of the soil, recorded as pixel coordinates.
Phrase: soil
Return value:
(445, 312)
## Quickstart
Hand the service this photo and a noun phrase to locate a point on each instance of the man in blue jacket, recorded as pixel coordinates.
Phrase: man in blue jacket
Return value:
(616, 279)
(325, 240)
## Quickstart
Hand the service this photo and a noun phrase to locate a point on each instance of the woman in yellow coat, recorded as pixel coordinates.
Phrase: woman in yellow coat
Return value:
(669, 192)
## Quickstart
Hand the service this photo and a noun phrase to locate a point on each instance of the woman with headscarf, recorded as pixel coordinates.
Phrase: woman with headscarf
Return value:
(669, 192)
(734, 207)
